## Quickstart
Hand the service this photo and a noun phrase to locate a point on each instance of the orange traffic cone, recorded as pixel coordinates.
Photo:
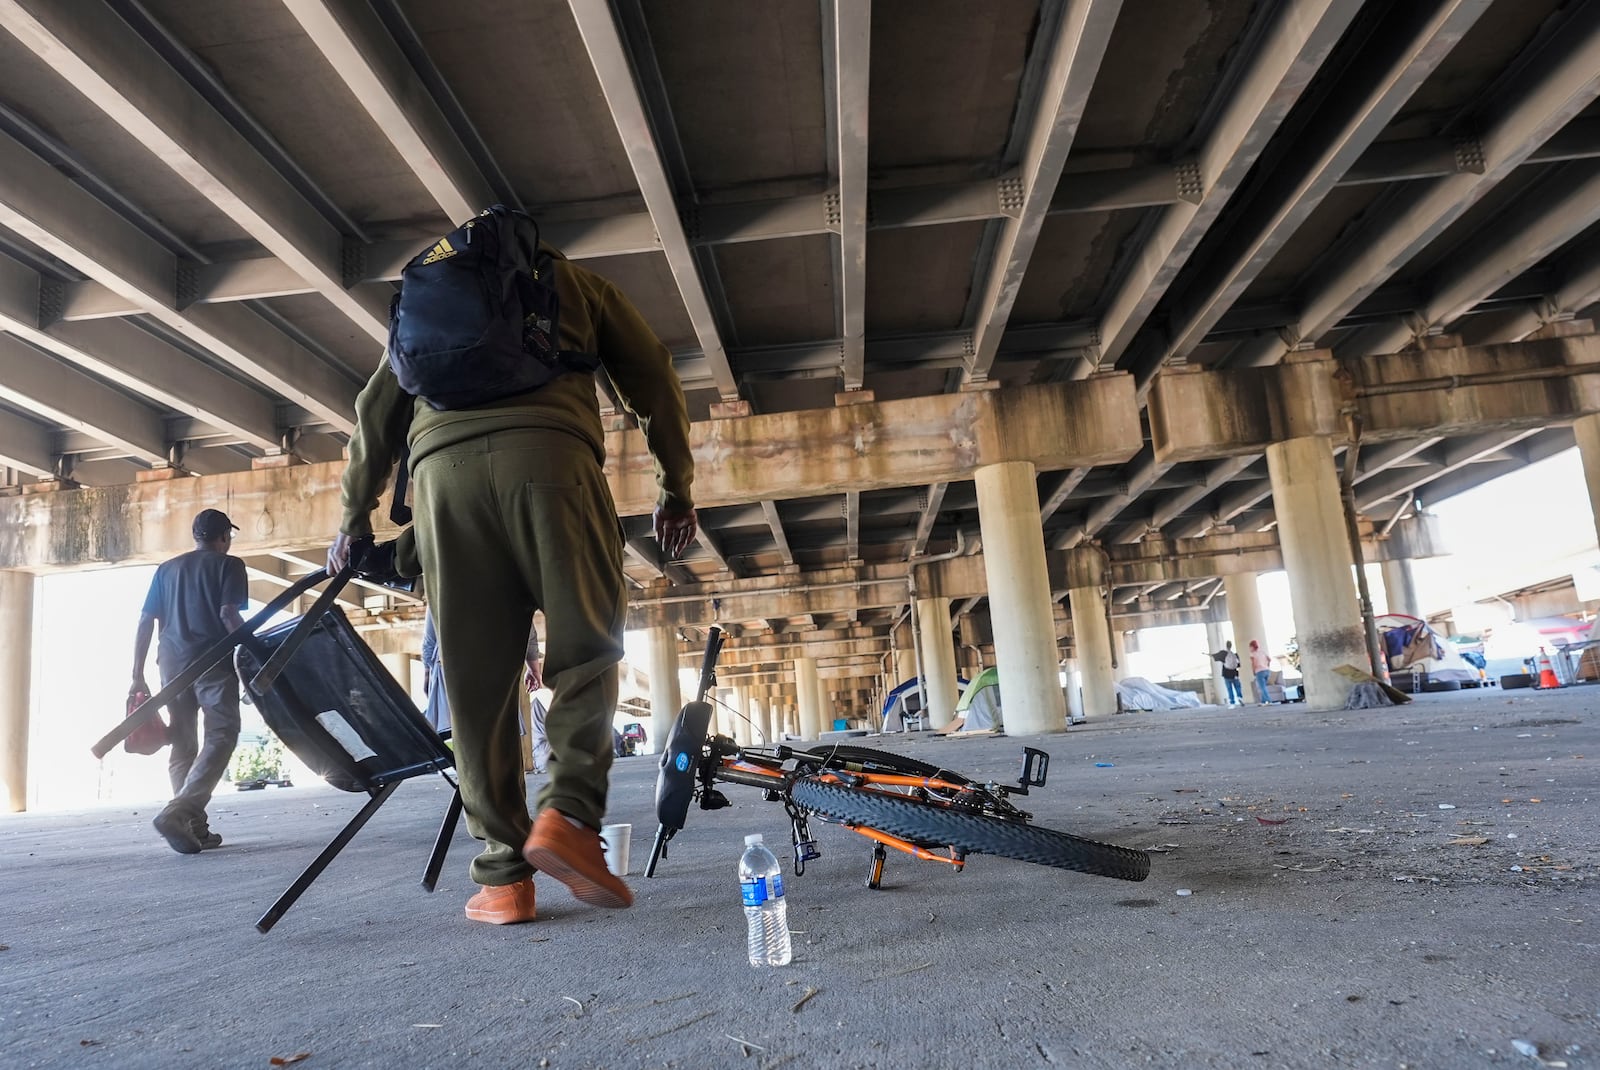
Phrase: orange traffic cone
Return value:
(1547, 671)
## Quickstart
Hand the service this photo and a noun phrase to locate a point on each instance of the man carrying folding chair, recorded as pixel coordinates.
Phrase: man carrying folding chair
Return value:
(513, 514)
(197, 598)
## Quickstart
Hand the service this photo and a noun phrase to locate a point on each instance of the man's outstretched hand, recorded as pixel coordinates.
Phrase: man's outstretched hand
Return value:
(675, 529)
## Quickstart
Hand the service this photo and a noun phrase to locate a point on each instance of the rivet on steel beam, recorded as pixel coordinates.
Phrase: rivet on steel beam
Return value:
(52, 301)
(1011, 193)
(1469, 155)
(1191, 182)
(185, 282)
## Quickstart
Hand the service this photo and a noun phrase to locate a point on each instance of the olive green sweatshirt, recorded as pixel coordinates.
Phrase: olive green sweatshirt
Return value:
(596, 319)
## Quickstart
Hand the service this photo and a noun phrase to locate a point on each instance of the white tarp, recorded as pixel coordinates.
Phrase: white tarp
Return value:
(1137, 693)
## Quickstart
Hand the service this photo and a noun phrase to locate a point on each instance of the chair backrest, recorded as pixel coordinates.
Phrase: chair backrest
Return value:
(340, 711)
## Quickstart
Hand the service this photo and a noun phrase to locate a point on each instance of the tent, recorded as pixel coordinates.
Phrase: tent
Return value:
(1137, 693)
(902, 707)
(979, 707)
(1409, 643)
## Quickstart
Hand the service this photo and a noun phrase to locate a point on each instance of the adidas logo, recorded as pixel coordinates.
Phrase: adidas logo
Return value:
(442, 251)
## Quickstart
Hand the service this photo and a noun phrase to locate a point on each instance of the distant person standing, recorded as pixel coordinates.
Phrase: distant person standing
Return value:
(1230, 673)
(1261, 666)
(197, 598)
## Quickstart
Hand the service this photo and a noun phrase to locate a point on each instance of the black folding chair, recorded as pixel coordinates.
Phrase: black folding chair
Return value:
(342, 714)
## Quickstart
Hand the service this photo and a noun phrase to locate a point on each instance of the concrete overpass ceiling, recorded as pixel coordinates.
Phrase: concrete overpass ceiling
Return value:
(1077, 256)
(522, 77)
(778, 292)
(38, 99)
(945, 79)
(254, 48)
(920, 278)
(766, 96)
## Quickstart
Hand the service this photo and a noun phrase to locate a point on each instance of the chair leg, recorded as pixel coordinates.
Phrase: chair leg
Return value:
(329, 853)
(447, 830)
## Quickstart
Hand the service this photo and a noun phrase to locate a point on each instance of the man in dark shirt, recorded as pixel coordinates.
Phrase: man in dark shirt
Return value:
(197, 597)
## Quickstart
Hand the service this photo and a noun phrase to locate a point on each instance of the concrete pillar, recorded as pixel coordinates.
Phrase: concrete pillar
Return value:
(1214, 641)
(905, 655)
(1400, 587)
(938, 659)
(809, 685)
(741, 716)
(664, 698)
(16, 692)
(1091, 637)
(1119, 651)
(1074, 696)
(1023, 617)
(1316, 555)
(761, 714)
(1244, 612)
(1586, 429)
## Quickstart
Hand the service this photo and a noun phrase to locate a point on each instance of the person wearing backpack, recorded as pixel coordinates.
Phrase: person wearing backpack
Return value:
(1230, 673)
(512, 514)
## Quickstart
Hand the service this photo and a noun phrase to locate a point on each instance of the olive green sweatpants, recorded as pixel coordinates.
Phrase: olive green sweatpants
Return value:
(506, 524)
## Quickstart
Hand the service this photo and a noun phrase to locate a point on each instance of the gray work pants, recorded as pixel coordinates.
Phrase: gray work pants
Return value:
(196, 763)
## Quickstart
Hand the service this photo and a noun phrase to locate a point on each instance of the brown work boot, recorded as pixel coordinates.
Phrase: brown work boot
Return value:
(503, 904)
(207, 839)
(174, 825)
(572, 855)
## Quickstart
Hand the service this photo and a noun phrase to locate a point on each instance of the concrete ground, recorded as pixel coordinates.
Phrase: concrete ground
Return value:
(1412, 887)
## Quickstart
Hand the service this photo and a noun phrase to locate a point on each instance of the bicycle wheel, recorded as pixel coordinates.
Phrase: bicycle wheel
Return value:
(885, 762)
(930, 824)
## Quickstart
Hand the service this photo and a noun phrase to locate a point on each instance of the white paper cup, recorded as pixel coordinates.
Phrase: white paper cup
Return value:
(616, 839)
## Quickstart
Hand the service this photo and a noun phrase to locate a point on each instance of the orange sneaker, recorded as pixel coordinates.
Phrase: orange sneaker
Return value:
(573, 856)
(503, 904)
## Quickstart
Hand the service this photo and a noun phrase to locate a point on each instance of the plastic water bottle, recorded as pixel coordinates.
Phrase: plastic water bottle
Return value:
(761, 881)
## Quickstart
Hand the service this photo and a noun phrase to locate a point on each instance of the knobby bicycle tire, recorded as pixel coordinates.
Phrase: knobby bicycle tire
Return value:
(895, 763)
(930, 823)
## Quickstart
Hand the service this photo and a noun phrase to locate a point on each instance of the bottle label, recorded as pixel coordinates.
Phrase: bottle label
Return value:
(757, 891)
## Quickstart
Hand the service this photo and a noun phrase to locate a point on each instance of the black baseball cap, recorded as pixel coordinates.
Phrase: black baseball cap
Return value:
(212, 524)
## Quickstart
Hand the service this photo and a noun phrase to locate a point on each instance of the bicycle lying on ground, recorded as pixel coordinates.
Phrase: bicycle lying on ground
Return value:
(896, 802)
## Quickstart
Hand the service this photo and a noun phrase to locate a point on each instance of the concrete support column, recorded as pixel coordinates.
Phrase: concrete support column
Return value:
(16, 692)
(1316, 554)
(938, 659)
(1119, 651)
(1022, 616)
(809, 685)
(905, 654)
(664, 698)
(1400, 587)
(1214, 641)
(739, 728)
(1091, 637)
(761, 714)
(1244, 613)
(1586, 429)
(1074, 696)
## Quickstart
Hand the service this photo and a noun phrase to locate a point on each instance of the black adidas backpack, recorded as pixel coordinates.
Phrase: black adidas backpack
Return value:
(477, 318)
